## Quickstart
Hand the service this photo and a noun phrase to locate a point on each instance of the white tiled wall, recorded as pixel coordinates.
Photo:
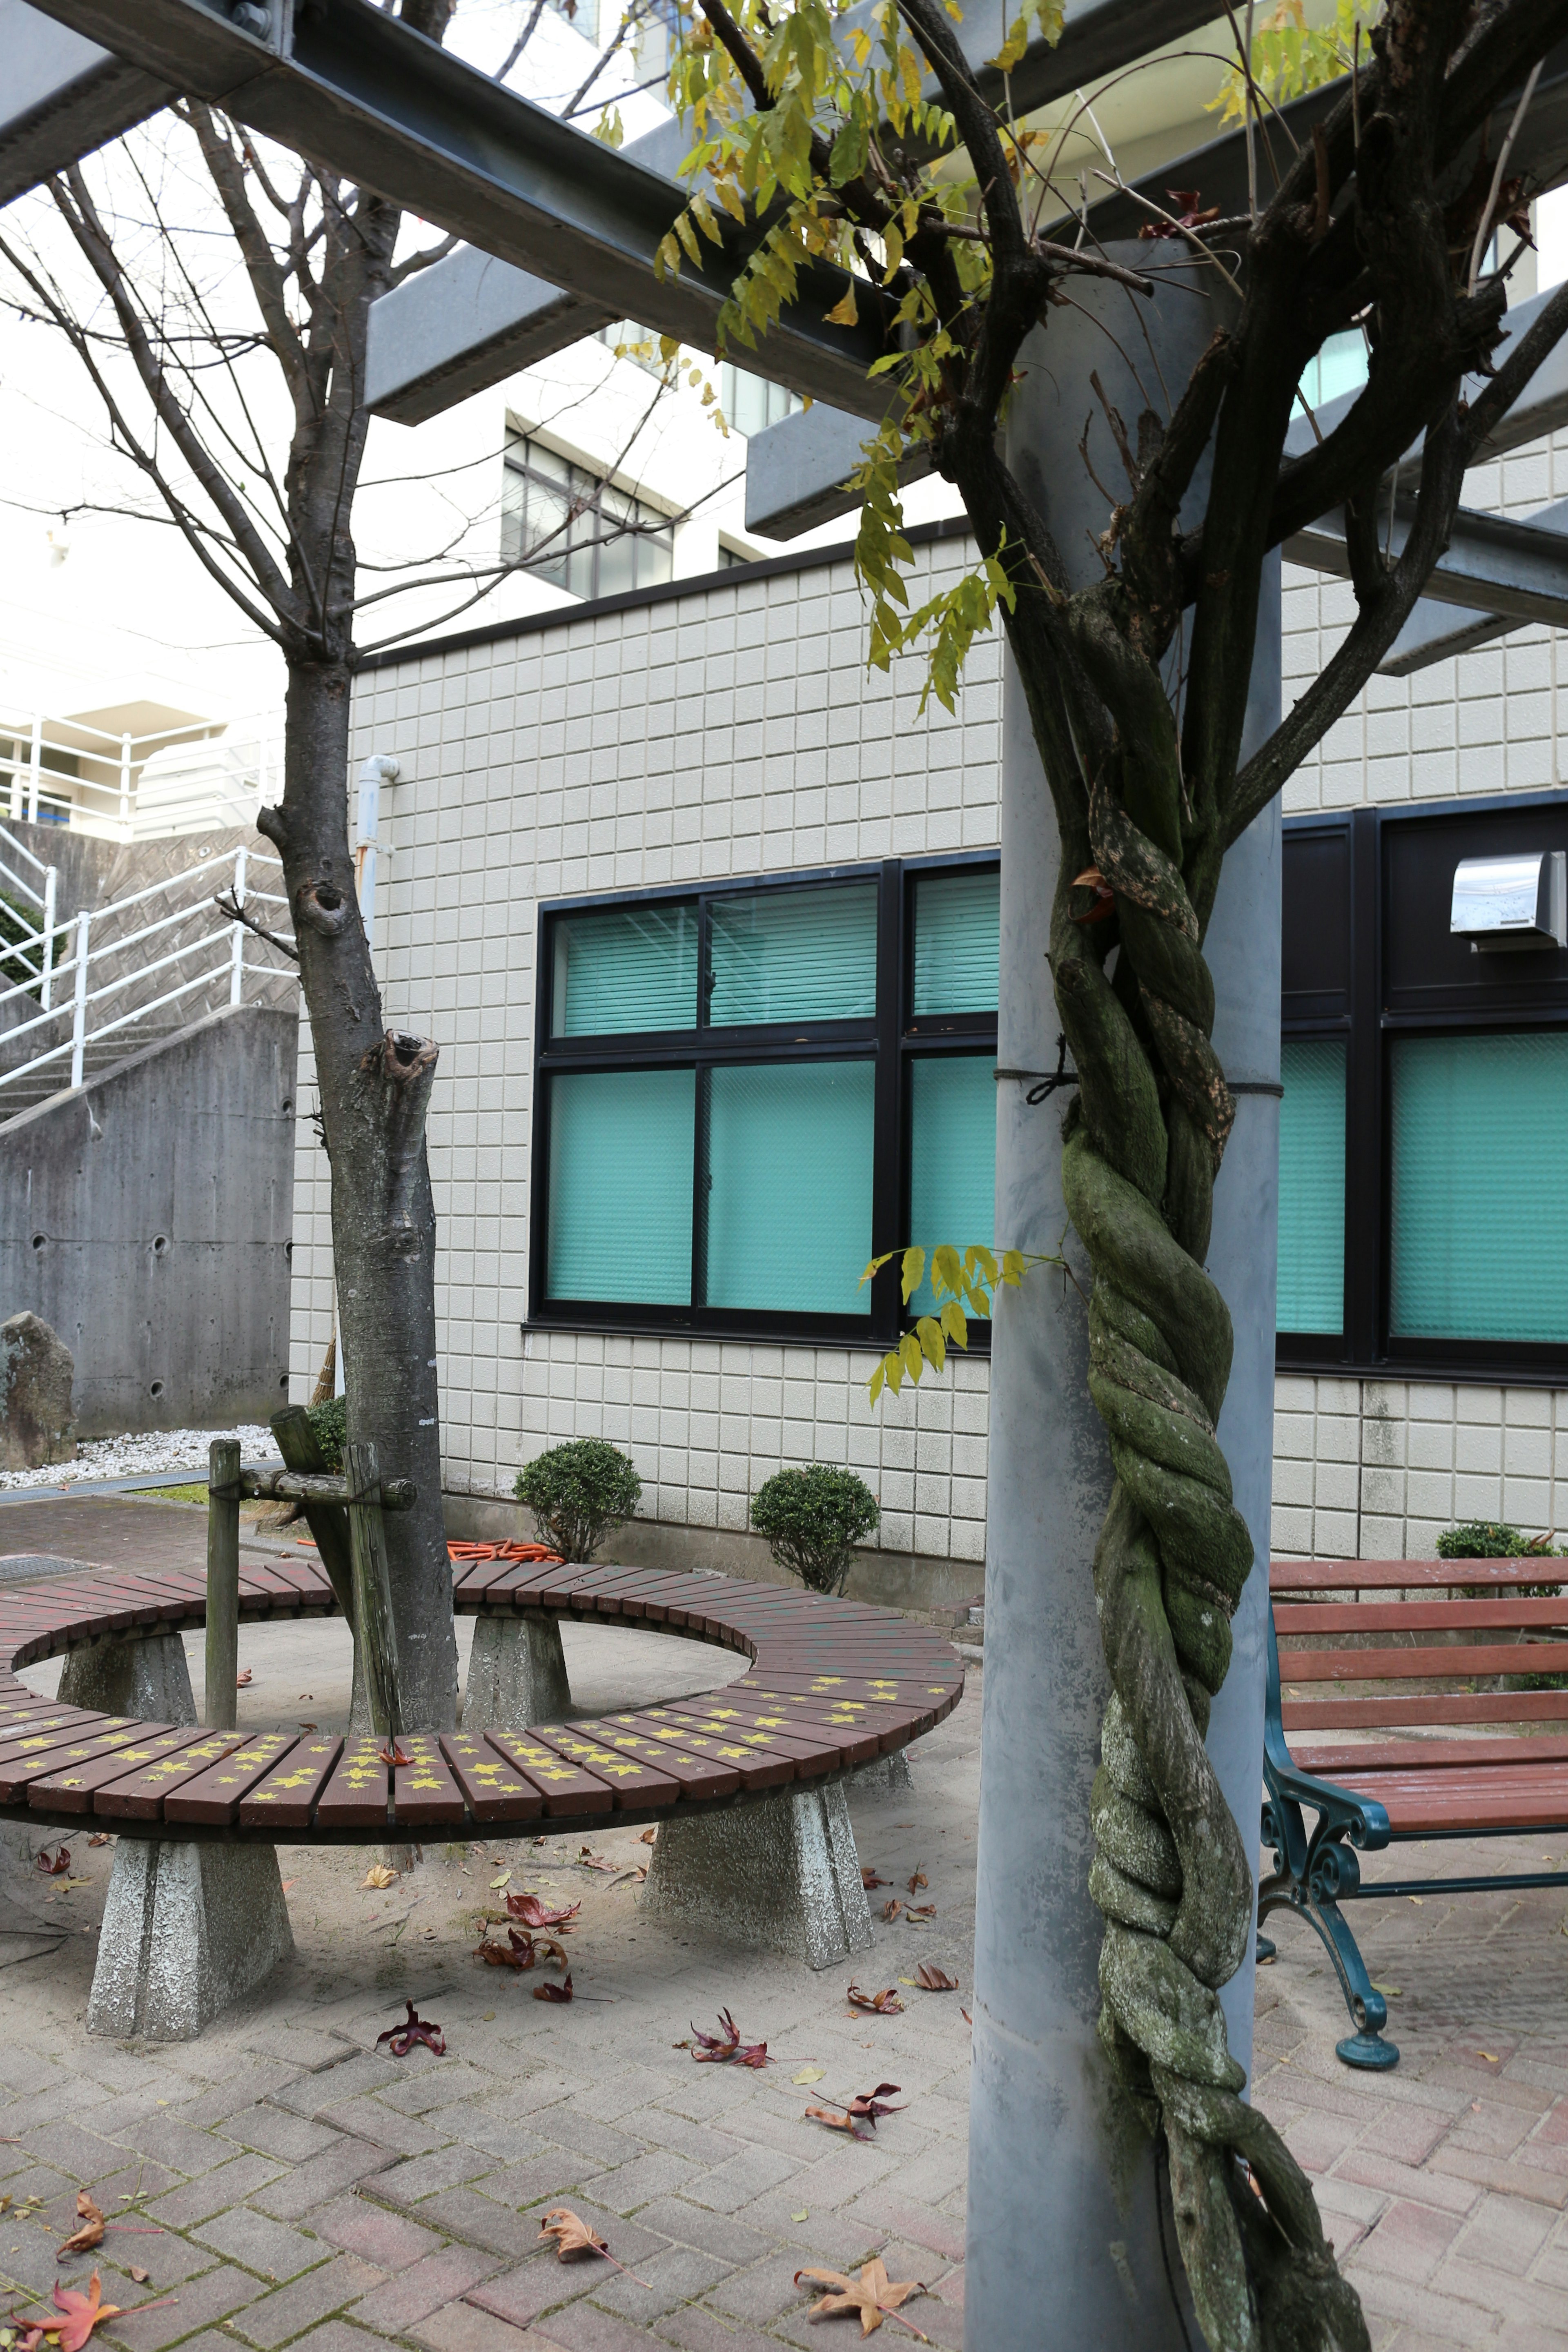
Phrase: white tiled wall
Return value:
(733, 731)
(736, 731)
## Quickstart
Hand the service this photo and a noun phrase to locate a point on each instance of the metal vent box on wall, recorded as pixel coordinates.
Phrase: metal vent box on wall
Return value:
(1518, 901)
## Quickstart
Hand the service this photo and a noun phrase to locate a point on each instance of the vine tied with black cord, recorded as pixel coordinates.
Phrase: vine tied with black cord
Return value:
(830, 145)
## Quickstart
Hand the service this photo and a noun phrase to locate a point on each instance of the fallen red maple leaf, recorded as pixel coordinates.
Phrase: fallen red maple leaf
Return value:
(533, 1913)
(392, 1754)
(81, 2316)
(726, 2046)
(401, 2039)
(53, 1865)
(521, 1950)
(874, 2296)
(884, 2004)
(561, 1991)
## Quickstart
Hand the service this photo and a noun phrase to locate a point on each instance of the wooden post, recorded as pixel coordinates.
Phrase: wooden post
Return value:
(223, 1584)
(373, 1589)
(328, 1522)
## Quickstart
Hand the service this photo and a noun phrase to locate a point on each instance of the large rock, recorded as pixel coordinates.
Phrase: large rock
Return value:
(37, 1370)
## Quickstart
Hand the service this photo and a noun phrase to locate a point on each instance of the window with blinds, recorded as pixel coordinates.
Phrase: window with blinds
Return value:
(1477, 1238)
(1311, 1284)
(738, 1106)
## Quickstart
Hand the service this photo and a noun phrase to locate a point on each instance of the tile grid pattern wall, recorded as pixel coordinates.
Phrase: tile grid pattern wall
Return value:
(730, 732)
(1374, 1469)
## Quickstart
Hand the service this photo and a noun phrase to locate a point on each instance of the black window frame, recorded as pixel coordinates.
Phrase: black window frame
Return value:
(891, 1039)
(1377, 1003)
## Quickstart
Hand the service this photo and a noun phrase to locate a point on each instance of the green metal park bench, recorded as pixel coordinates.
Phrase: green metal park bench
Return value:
(1411, 1658)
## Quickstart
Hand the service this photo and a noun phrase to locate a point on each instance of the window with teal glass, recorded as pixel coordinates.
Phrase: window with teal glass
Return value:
(1479, 1143)
(789, 1186)
(952, 1156)
(1312, 1285)
(632, 968)
(794, 955)
(957, 942)
(621, 1159)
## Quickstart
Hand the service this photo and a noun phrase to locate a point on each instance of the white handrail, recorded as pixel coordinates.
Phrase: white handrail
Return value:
(79, 1021)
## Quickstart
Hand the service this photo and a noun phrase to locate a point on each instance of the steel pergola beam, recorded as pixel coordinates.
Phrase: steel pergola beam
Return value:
(63, 96)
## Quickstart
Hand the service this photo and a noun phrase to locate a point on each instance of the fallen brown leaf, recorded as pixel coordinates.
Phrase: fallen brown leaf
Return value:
(535, 1913)
(868, 1878)
(919, 1913)
(884, 2004)
(918, 1879)
(864, 2108)
(391, 1753)
(874, 2296)
(648, 1837)
(242, 1679)
(561, 1991)
(588, 1860)
(83, 2240)
(726, 2046)
(890, 1909)
(573, 2236)
(521, 1950)
(142, 2277)
(400, 2039)
(99, 1837)
(931, 1978)
(53, 1865)
(379, 1875)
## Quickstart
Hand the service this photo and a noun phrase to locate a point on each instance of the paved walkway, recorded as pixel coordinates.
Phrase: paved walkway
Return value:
(308, 2193)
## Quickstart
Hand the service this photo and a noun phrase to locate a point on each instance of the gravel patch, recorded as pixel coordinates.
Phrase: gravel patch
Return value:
(137, 1456)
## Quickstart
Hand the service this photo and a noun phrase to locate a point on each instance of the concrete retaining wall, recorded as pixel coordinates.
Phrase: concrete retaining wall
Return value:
(146, 1218)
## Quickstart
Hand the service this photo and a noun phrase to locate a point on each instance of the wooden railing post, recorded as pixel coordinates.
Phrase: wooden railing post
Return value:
(223, 1584)
(328, 1522)
(373, 1589)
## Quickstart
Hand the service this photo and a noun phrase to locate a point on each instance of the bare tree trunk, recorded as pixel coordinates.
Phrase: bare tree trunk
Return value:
(375, 1086)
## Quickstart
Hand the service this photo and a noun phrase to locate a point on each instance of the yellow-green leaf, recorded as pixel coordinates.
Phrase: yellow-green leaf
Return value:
(914, 1268)
(844, 313)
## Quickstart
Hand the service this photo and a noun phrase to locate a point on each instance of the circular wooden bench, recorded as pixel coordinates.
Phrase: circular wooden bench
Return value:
(828, 1685)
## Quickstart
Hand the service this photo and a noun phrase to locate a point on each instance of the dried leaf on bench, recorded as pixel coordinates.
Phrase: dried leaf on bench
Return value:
(573, 2236)
(931, 1978)
(890, 1909)
(391, 1753)
(918, 1879)
(535, 1913)
(90, 2233)
(884, 2004)
(726, 2046)
(379, 1875)
(870, 1880)
(53, 1865)
(874, 2296)
(401, 2039)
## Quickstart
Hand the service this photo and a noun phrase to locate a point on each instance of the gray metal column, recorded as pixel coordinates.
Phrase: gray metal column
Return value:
(1064, 2231)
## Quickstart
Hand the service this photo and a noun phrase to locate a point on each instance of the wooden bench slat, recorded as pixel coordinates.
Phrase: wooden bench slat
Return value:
(423, 1791)
(215, 1794)
(1373, 1575)
(697, 1776)
(58, 1751)
(357, 1792)
(1429, 1755)
(21, 1736)
(856, 1741)
(287, 1796)
(69, 1782)
(1435, 1662)
(1499, 1614)
(1500, 1797)
(758, 1768)
(566, 1788)
(494, 1791)
(893, 1726)
(1432, 1707)
(902, 1691)
(137, 1795)
(636, 1781)
(765, 1728)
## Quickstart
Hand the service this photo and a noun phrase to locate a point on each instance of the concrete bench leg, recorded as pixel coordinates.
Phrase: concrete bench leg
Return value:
(885, 1776)
(129, 1674)
(187, 1930)
(517, 1674)
(782, 1875)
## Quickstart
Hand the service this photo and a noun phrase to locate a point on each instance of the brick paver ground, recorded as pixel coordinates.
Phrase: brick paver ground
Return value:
(300, 2190)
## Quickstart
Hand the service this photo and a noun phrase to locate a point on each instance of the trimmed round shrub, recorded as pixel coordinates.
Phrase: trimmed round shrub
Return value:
(577, 1493)
(330, 1423)
(813, 1520)
(1492, 1539)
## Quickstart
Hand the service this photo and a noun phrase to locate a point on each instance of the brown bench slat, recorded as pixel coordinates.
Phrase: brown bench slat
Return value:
(565, 1788)
(1501, 1613)
(902, 1691)
(423, 1791)
(494, 1791)
(636, 1781)
(215, 1795)
(894, 1727)
(68, 1786)
(1495, 1797)
(854, 1741)
(698, 1776)
(1396, 1665)
(137, 1795)
(1380, 1575)
(58, 1751)
(287, 1798)
(23, 1735)
(357, 1793)
(813, 1747)
(1427, 1755)
(1433, 1706)
(758, 1768)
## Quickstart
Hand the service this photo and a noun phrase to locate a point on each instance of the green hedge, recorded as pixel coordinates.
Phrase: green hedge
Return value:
(813, 1520)
(577, 1493)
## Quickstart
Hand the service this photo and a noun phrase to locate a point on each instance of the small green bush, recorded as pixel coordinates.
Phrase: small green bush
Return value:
(813, 1520)
(330, 1423)
(577, 1493)
(1492, 1539)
